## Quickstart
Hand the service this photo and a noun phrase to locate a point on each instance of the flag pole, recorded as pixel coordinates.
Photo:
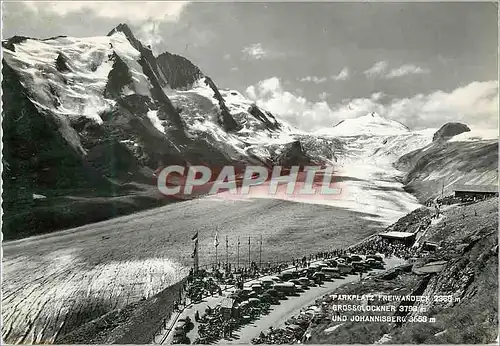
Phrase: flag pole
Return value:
(227, 254)
(238, 254)
(260, 252)
(195, 252)
(216, 241)
(249, 263)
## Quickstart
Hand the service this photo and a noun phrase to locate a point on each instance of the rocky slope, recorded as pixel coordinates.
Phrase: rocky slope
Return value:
(468, 246)
(95, 117)
(435, 168)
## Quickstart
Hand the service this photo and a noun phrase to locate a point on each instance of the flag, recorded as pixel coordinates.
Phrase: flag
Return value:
(195, 250)
(216, 240)
(238, 241)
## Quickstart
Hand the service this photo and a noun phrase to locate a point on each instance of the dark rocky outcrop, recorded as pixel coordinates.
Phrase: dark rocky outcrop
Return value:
(449, 130)
(179, 71)
(118, 78)
(40, 159)
(151, 70)
(264, 118)
(9, 43)
(148, 61)
(61, 63)
(227, 120)
(292, 154)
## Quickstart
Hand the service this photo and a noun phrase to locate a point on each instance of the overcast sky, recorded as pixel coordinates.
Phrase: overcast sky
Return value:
(312, 63)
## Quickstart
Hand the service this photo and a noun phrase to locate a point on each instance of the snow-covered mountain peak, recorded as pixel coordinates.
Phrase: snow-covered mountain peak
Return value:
(369, 124)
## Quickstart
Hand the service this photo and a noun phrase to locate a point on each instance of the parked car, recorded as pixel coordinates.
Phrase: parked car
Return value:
(286, 287)
(298, 285)
(276, 279)
(306, 281)
(257, 288)
(358, 267)
(334, 273)
(297, 330)
(314, 267)
(355, 258)
(345, 268)
(267, 298)
(319, 277)
(375, 257)
(374, 263)
(286, 275)
(277, 294)
(332, 263)
(267, 282)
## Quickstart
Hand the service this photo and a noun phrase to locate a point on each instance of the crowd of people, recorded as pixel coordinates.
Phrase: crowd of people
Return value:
(215, 324)
(220, 322)
(295, 330)
(210, 282)
(385, 247)
(275, 336)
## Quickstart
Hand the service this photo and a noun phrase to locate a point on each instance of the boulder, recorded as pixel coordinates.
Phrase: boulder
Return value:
(292, 154)
(449, 130)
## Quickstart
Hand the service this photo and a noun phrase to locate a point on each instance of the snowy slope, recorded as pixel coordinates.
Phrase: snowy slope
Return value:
(370, 124)
(72, 77)
(475, 135)
(79, 91)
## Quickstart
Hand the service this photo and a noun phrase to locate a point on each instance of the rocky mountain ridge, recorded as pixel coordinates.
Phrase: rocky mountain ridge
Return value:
(95, 117)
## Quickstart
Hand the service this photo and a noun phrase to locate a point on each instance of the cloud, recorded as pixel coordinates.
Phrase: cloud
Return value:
(323, 96)
(377, 96)
(234, 69)
(226, 56)
(255, 51)
(380, 70)
(270, 95)
(132, 11)
(149, 34)
(406, 70)
(343, 75)
(313, 79)
(475, 104)
(377, 70)
(258, 52)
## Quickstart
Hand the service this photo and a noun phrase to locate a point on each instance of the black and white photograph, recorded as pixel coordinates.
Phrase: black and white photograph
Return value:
(244, 173)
